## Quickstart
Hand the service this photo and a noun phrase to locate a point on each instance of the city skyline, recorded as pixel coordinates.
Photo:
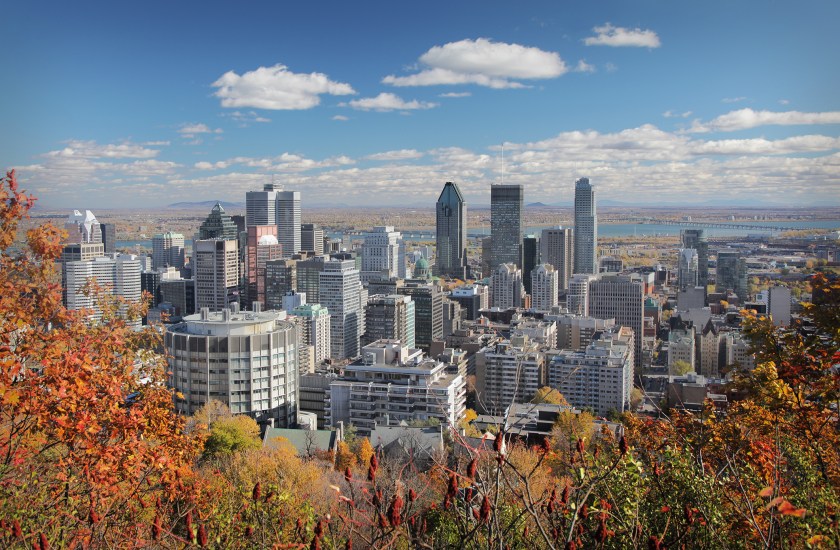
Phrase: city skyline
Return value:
(110, 107)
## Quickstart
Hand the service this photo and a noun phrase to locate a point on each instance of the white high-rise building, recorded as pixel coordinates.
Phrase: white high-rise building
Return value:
(340, 292)
(586, 228)
(544, 287)
(577, 299)
(83, 228)
(216, 273)
(599, 378)
(383, 254)
(557, 249)
(620, 297)
(246, 360)
(508, 372)
(168, 250)
(506, 288)
(288, 221)
(316, 329)
(119, 276)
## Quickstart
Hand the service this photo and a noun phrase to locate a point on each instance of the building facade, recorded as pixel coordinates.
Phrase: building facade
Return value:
(341, 290)
(586, 228)
(620, 297)
(506, 288)
(451, 233)
(216, 273)
(557, 249)
(506, 210)
(389, 317)
(168, 250)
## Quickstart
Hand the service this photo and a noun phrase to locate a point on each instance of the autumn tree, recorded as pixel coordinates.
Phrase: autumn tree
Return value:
(549, 395)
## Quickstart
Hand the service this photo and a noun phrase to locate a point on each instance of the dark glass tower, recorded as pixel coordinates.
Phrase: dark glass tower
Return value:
(530, 259)
(694, 238)
(218, 225)
(451, 233)
(506, 206)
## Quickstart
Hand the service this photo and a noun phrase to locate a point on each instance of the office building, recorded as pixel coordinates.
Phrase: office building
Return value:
(620, 297)
(246, 360)
(280, 279)
(731, 273)
(168, 250)
(260, 206)
(586, 228)
(262, 247)
(109, 237)
(530, 259)
(506, 226)
(779, 305)
(83, 228)
(288, 221)
(309, 277)
(695, 238)
(473, 298)
(506, 288)
(557, 249)
(340, 291)
(392, 383)
(389, 318)
(311, 239)
(218, 225)
(544, 287)
(315, 330)
(451, 233)
(508, 372)
(428, 310)
(383, 254)
(180, 293)
(599, 378)
(687, 269)
(216, 273)
(577, 298)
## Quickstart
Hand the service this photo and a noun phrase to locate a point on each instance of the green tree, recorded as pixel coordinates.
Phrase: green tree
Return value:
(232, 435)
(681, 368)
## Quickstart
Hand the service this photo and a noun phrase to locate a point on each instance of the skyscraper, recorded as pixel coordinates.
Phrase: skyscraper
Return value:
(428, 310)
(260, 206)
(83, 228)
(216, 273)
(543, 287)
(390, 318)
(694, 238)
(556, 249)
(731, 273)
(506, 288)
(118, 276)
(288, 221)
(687, 269)
(586, 228)
(451, 233)
(262, 247)
(168, 250)
(218, 225)
(383, 254)
(109, 237)
(311, 238)
(530, 259)
(506, 207)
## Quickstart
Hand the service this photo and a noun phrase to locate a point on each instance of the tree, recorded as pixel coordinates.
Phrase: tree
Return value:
(681, 368)
(637, 398)
(229, 435)
(365, 451)
(549, 395)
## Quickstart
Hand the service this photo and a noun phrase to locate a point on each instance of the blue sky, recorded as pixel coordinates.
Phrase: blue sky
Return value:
(109, 104)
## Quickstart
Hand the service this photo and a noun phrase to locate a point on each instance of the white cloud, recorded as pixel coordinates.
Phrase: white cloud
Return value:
(93, 150)
(340, 117)
(733, 99)
(402, 154)
(743, 119)
(674, 114)
(610, 35)
(482, 62)
(388, 102)
(189, 130)
(245, 118)
(784, 102)
(584, 67)
(276, 88)
(455, 94)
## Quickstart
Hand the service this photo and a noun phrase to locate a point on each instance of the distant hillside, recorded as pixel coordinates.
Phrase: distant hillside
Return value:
(536, 204)
(205, 204)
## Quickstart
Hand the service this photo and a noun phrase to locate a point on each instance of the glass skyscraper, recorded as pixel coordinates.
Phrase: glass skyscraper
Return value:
(586, 228)
(451, 233)
(506, 207)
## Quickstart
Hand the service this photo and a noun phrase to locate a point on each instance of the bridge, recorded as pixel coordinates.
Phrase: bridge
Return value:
(719, 225)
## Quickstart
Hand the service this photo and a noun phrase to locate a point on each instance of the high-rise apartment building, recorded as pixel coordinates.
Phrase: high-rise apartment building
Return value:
(389, 318)
(311, 238)
(451, 233)
(248, 361)
(695, 238)
(383, 254)
(506, 210)
(340, 293)
(315, 329)
(508, 372)
(557, 249)
(216, 273)
(599, 378)
(544, 287)
(577, 298)
(586, 228)
(620, 297)
(118, 276)
(506, 288)
(168, 250)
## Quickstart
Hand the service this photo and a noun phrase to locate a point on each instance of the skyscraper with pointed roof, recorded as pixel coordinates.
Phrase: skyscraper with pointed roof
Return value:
(586, 228)
(451, 232)
(218, 225)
